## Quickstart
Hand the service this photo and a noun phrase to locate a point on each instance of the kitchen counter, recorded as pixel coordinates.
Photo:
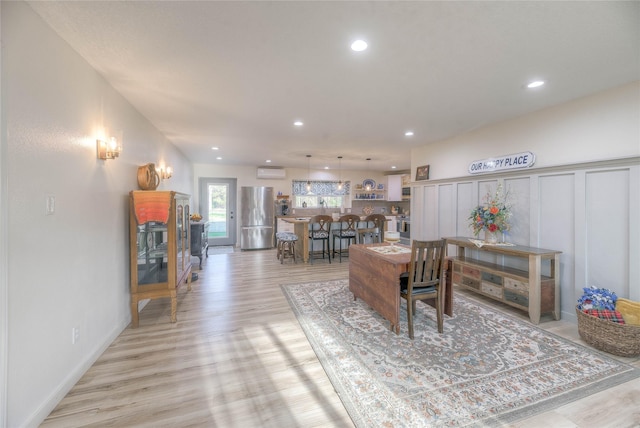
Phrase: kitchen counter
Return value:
(303, 215)
(301, 228)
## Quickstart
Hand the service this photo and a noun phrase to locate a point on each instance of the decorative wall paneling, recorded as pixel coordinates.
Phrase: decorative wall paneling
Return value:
(587, 211)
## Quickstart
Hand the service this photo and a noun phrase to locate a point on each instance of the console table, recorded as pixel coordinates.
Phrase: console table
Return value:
(527, 290)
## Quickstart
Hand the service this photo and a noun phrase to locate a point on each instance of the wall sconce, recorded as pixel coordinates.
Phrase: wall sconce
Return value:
(110, 149)
(165, 173)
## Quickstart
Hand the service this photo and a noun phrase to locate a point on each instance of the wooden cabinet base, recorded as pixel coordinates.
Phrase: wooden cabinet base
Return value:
(157, 291)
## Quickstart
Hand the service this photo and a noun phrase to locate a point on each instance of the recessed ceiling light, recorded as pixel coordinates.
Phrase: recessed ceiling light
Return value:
(408, 134)
(359, 45)
(393, 167)
(535, 84)
(214, 148)
(326, 167)
(268, 161)
(298, 123)
(219, 158)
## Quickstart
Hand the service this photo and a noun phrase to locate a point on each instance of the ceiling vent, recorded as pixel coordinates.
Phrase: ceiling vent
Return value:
(272, 173)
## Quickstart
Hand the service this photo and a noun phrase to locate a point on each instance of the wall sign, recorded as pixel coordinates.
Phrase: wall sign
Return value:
(516, 161)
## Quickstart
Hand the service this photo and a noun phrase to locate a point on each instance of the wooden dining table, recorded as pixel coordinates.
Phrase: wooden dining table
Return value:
(374, 277)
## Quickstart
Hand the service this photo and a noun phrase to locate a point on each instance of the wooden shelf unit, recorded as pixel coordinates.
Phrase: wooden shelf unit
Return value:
(527, 290)
(370, 195)
(160, 254)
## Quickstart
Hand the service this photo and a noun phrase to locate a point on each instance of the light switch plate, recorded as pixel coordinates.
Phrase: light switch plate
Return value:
(50, 204)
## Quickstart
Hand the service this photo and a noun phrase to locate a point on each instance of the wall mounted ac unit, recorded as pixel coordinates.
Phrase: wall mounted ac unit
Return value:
(272, 173)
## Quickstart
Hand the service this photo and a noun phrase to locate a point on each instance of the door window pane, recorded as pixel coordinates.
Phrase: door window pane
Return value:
(218, 204)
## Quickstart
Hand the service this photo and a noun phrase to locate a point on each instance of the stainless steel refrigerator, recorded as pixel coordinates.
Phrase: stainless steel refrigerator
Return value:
(256, 218)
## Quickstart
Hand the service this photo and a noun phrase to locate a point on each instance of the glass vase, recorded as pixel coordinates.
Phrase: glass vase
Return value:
(490, 237)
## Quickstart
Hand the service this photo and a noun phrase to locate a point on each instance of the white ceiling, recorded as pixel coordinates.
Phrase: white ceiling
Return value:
(237, 74)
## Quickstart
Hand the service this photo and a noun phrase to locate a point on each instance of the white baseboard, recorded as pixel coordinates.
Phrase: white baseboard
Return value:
(72, 378)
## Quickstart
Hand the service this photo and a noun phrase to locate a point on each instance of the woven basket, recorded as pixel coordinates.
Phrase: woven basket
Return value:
(609, 336)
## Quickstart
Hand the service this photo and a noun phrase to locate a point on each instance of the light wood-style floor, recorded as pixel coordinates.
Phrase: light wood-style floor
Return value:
(237, 357)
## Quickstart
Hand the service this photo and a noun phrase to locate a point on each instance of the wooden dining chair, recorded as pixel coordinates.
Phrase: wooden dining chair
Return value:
(425, 279)
(319, 230)
(348, 224)
(369, 235)
(377, 221)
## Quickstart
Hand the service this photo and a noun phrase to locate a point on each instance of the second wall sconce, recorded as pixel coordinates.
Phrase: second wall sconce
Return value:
(165, 173)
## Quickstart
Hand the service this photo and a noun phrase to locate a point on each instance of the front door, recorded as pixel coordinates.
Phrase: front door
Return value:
(218, 207)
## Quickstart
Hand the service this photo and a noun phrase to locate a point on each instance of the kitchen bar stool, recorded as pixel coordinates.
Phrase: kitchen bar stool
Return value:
(319, 229)
(279, 243)
(286, 245)
(369, 235)
(348, 224)
(378, 221)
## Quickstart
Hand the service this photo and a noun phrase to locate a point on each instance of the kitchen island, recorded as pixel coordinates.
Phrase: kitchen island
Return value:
(301, 228)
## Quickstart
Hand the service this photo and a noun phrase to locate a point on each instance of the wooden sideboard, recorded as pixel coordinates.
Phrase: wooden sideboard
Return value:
(528, 290)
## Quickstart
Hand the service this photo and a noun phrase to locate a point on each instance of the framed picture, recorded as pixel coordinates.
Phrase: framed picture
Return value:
(422, 173)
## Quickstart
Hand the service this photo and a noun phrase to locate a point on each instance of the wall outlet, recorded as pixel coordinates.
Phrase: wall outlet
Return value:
(75, 335)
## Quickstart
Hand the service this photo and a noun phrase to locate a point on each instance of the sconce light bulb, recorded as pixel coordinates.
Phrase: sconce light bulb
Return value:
(165, 172)
(109, 149)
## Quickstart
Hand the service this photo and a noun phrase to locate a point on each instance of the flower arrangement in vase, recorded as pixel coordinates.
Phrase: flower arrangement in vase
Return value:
(491, 217)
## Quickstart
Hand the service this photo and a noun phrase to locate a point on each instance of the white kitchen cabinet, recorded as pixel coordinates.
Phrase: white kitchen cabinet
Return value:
(283, 226)
(394, 188)
(391, 223)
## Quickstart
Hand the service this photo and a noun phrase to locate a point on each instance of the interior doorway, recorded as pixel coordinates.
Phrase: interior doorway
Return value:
(218, 207)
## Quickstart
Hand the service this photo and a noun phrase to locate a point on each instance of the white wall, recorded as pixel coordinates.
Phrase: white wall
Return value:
(69, 269)
(4, 253)
(605, 125)
(581, 197)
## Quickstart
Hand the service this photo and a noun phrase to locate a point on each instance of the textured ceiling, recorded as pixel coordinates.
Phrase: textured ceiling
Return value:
(237, 74)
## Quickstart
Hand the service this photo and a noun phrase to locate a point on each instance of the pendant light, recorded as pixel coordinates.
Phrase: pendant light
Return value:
(368, 188)
(308, 173)
(340, 172)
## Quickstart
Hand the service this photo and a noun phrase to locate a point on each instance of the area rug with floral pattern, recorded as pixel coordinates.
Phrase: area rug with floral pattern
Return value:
(487, 369)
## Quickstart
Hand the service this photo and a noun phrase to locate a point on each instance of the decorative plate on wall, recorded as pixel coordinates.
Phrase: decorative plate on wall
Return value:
(367, 210)
(369, 184)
